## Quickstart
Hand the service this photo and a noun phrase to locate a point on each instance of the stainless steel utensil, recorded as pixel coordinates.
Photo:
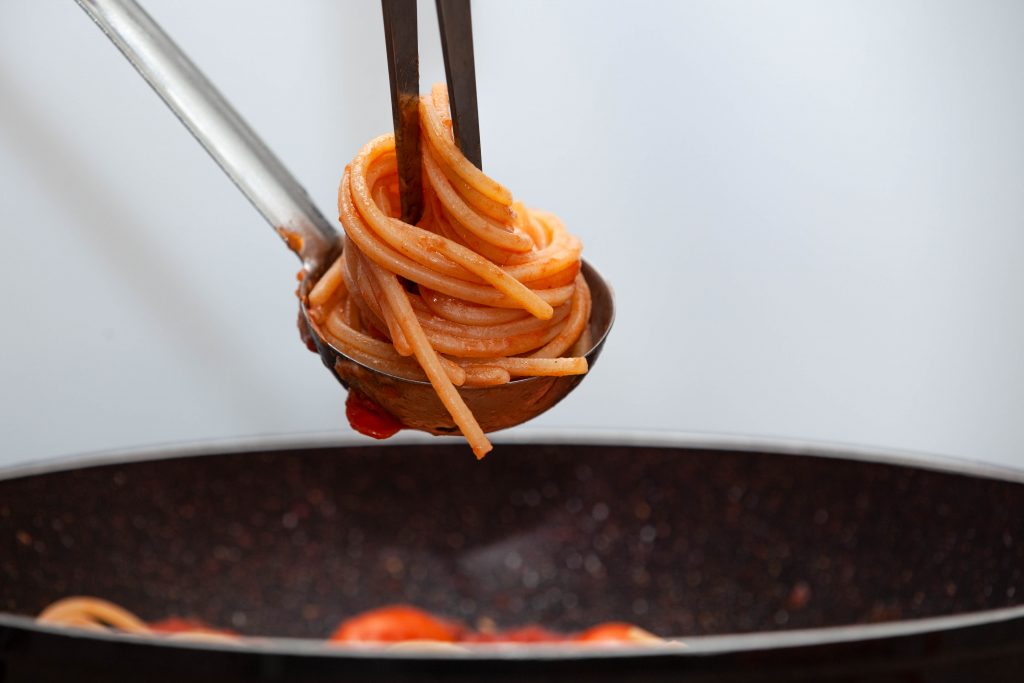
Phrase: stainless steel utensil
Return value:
(279, 198)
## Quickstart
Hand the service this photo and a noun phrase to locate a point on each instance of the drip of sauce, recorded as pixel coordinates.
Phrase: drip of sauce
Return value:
(292, 239)
(368, 418)
(364, 414)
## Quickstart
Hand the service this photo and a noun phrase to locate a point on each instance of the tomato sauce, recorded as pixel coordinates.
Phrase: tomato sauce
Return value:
(400, 623)
(179, 625)
(366, 417)
(292, 239)
(396, 624)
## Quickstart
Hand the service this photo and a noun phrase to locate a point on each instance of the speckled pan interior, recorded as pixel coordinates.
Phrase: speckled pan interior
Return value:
(681, 541)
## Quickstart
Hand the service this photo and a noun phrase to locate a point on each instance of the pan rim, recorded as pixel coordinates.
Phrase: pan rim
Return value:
(635, 438)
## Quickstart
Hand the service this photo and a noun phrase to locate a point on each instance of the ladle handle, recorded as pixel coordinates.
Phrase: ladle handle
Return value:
(256, 171)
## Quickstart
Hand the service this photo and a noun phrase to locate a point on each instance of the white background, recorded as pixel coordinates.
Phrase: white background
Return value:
(812, 213)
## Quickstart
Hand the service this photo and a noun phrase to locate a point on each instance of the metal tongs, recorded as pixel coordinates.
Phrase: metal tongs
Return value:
(453, 17)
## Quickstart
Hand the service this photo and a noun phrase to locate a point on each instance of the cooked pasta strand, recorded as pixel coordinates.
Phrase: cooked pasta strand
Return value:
(482, 290)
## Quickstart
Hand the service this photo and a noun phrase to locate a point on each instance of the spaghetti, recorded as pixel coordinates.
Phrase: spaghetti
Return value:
(480, 291)
(395, 624)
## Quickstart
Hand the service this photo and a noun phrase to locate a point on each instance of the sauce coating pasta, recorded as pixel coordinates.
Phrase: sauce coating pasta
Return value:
(482, 290)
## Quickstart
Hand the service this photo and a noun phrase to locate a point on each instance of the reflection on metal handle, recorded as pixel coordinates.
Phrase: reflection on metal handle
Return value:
(217, 126)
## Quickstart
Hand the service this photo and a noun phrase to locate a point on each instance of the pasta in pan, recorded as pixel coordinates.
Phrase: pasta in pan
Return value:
(395, 624)
(480, 291)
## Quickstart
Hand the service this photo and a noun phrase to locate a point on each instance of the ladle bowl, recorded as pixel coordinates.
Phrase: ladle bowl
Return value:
(416, 405)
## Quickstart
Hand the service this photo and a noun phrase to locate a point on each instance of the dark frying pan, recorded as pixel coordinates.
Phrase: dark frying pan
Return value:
(769, 561)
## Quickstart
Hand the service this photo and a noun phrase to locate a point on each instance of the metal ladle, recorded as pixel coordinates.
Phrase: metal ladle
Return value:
(277, 195)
